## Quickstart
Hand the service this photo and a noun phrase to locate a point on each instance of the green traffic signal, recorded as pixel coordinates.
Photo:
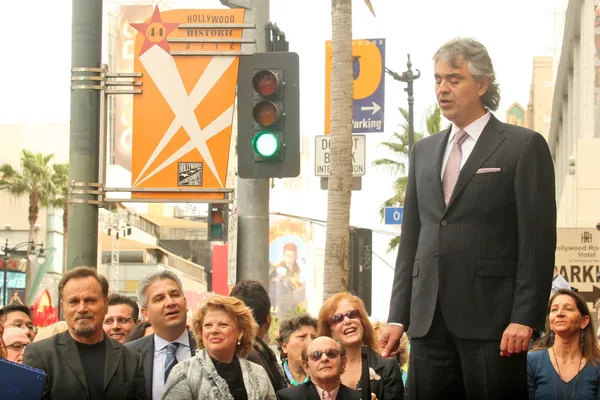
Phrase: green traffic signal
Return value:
(216, 231)
(265, 144)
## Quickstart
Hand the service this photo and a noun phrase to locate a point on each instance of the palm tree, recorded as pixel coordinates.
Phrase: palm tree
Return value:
(34, 181)
(337, 239)
(60, 179)
(399, 146)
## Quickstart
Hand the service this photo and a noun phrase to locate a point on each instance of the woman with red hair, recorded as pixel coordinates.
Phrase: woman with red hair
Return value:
(343, 317)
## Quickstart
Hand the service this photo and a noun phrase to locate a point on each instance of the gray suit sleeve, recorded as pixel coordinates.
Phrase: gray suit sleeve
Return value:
(536, 221)
(411, 226)
(33, 358)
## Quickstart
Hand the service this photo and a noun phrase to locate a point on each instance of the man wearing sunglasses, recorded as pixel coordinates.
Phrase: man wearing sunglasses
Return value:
(324, 360)
(15, 340)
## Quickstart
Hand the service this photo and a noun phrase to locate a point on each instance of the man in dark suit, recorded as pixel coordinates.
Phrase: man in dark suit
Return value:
(161, 299)
(474, 267)
(324, 360)
(84, 363)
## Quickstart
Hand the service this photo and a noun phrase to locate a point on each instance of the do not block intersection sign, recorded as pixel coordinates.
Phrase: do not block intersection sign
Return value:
(323, 155)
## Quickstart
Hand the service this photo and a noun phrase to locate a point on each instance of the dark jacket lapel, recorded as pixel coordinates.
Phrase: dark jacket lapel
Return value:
(487, 143)
(112, 357)
(192, 343)
(311, 392)
(147, 351)
(67, 348)
(439, 154)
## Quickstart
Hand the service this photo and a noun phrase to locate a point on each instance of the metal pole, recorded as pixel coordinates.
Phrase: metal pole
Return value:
(411, 101)
(253, 194)
(86, 52)
(409, 77)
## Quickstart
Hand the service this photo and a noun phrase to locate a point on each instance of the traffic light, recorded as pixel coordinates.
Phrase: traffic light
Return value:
(268, 143)
(216, 229)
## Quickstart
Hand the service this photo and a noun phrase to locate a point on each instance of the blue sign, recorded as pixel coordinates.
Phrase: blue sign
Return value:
(369, 85)
(368, 96)
(393, 215)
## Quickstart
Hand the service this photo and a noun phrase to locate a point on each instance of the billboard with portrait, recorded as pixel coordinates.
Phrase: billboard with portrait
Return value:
(289, 269)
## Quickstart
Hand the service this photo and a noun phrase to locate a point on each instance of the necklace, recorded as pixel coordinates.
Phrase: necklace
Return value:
(562, 381)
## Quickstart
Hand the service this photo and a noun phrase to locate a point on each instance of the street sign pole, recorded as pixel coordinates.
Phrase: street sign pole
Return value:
(253, 194)
(86, 52)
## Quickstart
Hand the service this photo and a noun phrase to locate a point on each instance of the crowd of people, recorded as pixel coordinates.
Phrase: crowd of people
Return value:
(112, 347)
(223, 354)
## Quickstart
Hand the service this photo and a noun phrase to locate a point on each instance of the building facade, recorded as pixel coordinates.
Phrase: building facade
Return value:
(573, 138)
(539, 109)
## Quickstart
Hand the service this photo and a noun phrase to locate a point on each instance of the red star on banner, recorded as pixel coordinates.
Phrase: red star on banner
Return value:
(155, 32)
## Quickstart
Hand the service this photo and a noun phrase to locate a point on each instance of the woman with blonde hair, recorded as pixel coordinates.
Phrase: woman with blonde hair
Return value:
(565, 363)
(343, 317)
(224, 329)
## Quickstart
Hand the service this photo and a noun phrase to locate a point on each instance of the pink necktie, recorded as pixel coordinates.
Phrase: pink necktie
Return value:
(453, 165)
(326, 395)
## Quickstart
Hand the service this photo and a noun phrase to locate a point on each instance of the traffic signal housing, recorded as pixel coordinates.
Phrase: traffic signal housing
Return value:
(268, 142)
(216, 229)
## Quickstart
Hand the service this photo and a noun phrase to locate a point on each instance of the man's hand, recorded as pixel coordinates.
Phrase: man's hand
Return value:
(515, 339)
(389, 340)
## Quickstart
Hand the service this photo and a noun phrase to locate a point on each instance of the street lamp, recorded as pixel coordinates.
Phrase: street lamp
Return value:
(409, 77)
(32, 255)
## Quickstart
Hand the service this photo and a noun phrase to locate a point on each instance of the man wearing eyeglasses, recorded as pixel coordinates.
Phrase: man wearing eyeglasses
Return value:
(324, 360)
(19, 316)
(121, 318)
(15, 341)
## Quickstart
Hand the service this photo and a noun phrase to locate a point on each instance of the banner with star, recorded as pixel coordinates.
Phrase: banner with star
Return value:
(182, 120)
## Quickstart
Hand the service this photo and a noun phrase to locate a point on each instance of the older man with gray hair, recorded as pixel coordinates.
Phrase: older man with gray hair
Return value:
(160, 296)
(474, 266)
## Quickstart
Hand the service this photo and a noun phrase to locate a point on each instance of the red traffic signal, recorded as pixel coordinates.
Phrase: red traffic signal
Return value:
(265, 82)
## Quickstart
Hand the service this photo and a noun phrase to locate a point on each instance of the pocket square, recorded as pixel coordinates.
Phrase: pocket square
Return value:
(487, 170)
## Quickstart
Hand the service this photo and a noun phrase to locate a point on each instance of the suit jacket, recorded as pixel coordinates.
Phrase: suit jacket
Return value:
(385, 377)
(489, 255)
(262, 355)
(58, 357)
(145, 346)
(308, 391)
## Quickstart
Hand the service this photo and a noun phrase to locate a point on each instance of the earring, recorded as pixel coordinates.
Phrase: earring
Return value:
(581, 337)
(239, 342)
(552, 336)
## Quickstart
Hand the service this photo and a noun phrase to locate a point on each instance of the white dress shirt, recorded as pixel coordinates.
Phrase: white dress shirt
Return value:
(473, 130)
(160, 356)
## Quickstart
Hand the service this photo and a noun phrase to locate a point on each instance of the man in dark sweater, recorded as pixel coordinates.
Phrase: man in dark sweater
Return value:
(257, 299)
(84, 363)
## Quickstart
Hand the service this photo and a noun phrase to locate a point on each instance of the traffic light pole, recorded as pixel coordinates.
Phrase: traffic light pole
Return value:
(86, 52)
(253, 194)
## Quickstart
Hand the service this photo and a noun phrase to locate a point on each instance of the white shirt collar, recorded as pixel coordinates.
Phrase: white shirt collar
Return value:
(474, 129)
(160, 343)
(333, 393)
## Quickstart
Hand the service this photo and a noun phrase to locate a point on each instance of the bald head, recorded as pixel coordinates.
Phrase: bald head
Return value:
(324, 360)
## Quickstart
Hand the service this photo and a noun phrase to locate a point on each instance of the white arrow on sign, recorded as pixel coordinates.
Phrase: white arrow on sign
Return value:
(375, 107)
